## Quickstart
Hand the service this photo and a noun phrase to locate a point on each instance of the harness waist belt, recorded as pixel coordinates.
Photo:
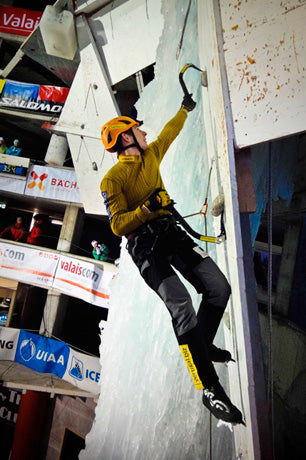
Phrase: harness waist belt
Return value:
(149, 226)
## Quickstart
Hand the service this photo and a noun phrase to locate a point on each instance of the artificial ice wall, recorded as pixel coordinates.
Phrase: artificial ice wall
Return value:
(148, 407)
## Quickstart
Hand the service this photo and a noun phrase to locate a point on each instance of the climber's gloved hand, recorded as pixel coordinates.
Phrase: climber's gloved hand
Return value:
(157, 200)
(188, 103)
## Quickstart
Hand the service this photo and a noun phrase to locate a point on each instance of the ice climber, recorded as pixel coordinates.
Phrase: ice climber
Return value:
(136, 201)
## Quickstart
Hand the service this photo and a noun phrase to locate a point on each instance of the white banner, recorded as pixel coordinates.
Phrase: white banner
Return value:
(84, 280)
(50, 356)
(28, 265)
(55, 183)
(11, 184)
(8, 343)
(83, 371)
(70, 275)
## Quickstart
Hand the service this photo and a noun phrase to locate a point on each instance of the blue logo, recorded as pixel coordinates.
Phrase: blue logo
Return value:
(76, 369)
(42, 354)
(27, 349)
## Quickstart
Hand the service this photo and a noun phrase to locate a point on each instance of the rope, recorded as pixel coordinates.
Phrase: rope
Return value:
(183, 31)
(210, 436)
(270, 313)
(147, 10)
(204, 208)
(111, 19)
(94, 99)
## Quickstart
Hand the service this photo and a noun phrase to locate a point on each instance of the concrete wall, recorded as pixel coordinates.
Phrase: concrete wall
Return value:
(71, 413)
(265, 54)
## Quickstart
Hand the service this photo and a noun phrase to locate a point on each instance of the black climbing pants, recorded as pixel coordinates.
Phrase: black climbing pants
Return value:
(158, 246)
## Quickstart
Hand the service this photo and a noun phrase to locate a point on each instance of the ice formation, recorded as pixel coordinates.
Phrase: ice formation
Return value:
(148, 407)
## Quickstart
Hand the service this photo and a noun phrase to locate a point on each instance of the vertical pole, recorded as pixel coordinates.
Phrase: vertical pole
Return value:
(52, 306)
(29, 425)
(270, 313)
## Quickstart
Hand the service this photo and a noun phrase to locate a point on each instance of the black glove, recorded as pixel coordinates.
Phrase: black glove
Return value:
(188, 103)
(157, 200)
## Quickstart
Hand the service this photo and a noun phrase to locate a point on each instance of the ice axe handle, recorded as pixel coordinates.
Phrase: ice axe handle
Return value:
(182, 83)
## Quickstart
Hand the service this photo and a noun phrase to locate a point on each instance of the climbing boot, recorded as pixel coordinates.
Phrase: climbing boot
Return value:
(216, 401)
(218, 355)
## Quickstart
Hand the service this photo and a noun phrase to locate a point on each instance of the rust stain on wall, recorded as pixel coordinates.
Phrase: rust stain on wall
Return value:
(251, 60)
(295, 53)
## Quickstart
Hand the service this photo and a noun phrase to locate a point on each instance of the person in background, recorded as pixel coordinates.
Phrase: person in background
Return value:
(14, 232)
(14, 150)
(100, 251)
(37, 231)
(3, 147)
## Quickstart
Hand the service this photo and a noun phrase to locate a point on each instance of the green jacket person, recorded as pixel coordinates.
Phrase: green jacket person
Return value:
(100, 251)
(136, 200)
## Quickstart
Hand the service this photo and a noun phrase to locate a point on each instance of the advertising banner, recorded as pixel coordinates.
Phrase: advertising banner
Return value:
(27, 265)
(12, 184)
(42, 354)
(14, 166)
(70, 275)
(2, 83)
(55, 183)
(20, 90)
(84, 280)
(18, 21)
(8, 343)
(83, 371)
(53, 93)
(49, 356)
(27, 96)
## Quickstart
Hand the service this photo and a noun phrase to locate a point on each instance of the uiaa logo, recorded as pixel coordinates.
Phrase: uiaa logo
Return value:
(76, 368)
(27, 349)
(39, 183)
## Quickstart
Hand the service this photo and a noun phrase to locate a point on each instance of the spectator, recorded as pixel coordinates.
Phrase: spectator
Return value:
(14, 150)
(100, 251)
(3, 147)
(14, 232)
(37, 231)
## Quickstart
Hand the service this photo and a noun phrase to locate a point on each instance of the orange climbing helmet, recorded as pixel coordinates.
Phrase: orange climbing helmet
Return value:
(113, 128)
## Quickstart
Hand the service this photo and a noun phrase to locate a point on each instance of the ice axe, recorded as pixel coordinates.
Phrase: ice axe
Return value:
(181, 80)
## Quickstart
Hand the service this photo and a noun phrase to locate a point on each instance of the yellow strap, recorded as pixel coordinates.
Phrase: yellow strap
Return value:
(191, 367)
(209, 239)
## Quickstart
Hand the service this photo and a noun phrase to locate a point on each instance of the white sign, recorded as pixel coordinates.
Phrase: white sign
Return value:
(55, 183)
(8, 343)
(27, 265)
(74, 277)
(84, 280)
(83, 371)
(12, 184)
(50, 356)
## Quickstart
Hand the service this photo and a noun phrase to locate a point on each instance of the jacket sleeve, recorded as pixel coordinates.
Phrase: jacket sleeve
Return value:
(5, 232)
(168, 134)
(122, 221)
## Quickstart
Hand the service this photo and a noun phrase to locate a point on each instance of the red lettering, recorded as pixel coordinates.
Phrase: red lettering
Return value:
(73, 185)
(53, 181)
(60, 183)
(67, 182)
